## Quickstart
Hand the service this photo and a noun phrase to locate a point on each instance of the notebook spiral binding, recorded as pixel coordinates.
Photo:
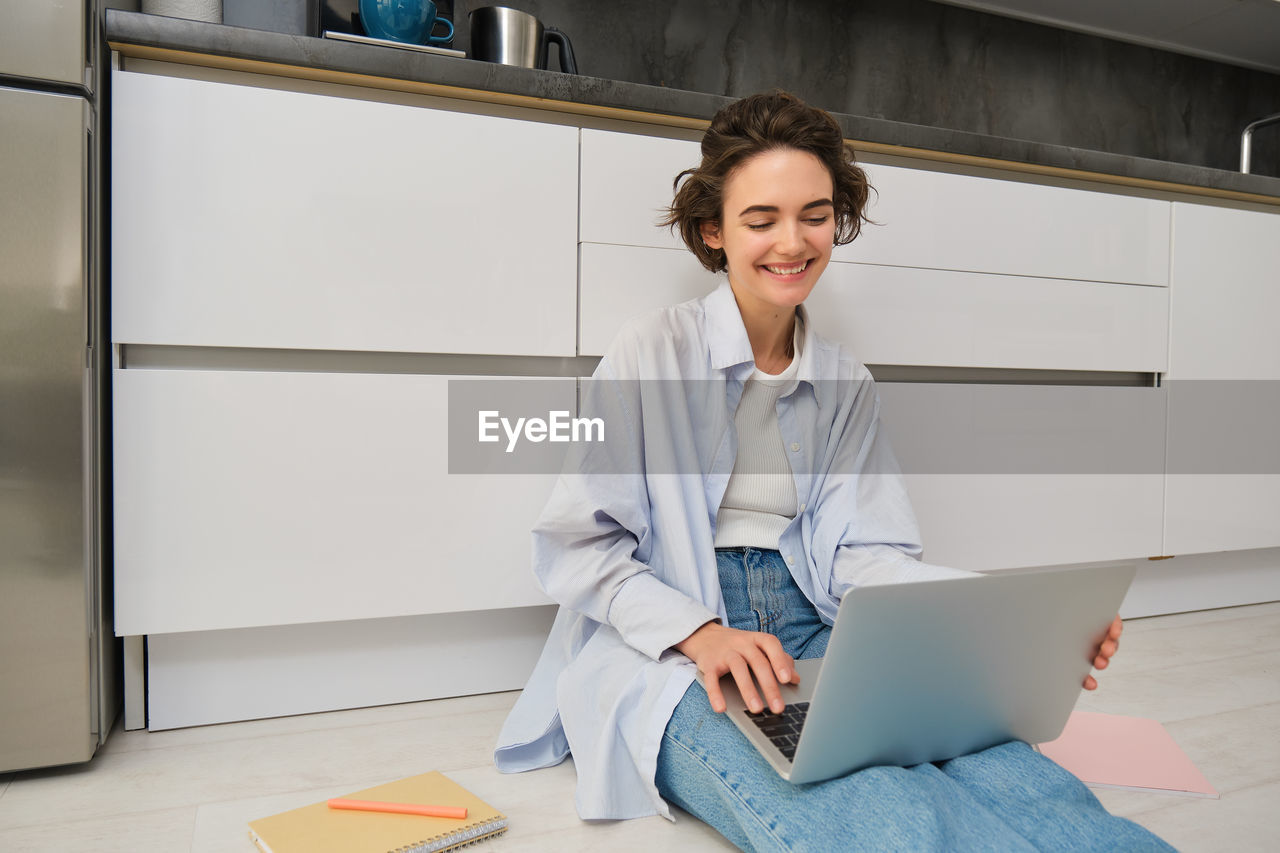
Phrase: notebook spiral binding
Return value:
(457, 840)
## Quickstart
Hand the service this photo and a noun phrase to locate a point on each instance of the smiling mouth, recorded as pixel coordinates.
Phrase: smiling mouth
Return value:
(794, 269)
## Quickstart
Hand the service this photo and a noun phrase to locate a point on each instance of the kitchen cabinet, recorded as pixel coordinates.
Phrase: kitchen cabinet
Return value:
(1223, 485)
(960, 272)
(276, 514)
(627, 187)
(921, 218)
(304, 496)
(1008, 476)
(944, 318)
(986, 522)
(253, 497)
(249, 498)
(619, 282)
(1225, 277)
(905, 316)
(253, 217)
(201, 677)
(974, 517)
(948, 221)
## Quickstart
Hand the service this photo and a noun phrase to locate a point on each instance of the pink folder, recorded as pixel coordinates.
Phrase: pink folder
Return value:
(1109, 751)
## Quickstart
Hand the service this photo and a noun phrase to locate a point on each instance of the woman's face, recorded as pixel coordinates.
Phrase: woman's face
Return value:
(777, 228)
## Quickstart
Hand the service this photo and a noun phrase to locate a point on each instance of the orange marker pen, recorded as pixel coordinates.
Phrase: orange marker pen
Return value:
(458, 812)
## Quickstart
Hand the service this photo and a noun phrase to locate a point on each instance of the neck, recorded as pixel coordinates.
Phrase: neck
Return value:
(772, 337)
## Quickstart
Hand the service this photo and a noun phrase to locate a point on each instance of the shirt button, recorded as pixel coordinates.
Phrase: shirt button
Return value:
(795, 445)
(802, 506)
(788, 558)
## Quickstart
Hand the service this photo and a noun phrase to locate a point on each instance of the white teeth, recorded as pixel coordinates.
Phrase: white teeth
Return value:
(787, 270)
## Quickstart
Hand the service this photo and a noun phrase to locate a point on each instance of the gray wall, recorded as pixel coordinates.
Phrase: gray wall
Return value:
(928, 63)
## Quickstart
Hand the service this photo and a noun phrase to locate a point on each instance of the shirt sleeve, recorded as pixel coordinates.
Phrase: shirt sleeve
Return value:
(589, 543)
(864, 512)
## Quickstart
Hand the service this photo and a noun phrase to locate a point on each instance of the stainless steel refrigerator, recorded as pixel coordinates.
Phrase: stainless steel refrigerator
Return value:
(57, 651)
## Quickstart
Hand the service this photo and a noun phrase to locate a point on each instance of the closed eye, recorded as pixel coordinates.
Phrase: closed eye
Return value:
(810, 220)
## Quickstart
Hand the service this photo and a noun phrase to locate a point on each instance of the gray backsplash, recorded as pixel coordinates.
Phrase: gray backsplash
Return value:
(928, 63)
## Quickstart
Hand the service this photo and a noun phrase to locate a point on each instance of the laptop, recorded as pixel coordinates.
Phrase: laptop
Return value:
(932, 670)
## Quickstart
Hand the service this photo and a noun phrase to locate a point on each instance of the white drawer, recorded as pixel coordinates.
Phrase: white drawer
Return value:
(1005, 476)
(621, 282)
(251, 498)
(959, 222)
(1002, 521)
(927, 219)
(627, 186)
(892, 315)
(1226, 284)
(251, 217)
(896, 315)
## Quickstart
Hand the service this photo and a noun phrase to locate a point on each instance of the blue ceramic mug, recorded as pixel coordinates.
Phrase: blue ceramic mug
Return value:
(407, 21)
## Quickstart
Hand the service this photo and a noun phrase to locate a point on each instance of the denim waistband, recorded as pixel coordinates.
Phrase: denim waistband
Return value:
(761, 595)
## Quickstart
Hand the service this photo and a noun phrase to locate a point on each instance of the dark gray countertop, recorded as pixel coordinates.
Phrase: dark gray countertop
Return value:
(132, 28)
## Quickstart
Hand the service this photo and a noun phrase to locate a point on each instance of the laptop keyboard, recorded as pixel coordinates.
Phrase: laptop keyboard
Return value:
(783, 729)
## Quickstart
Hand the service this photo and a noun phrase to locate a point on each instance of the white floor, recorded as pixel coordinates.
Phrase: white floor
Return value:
(1212, 677)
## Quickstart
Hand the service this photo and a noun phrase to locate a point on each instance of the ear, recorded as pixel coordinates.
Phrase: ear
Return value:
(711, 235)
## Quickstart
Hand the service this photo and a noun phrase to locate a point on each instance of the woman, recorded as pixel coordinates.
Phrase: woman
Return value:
(746, 487)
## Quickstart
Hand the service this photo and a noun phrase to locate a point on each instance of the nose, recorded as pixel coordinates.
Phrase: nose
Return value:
(790, 239)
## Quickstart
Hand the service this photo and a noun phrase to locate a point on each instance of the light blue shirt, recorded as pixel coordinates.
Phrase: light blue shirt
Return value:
(628, 553)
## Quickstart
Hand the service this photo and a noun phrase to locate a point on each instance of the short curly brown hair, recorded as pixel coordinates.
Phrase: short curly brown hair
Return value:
(751, 126)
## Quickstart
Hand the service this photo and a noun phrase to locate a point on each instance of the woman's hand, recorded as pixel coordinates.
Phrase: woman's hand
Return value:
(718, 650)
(1106, 650)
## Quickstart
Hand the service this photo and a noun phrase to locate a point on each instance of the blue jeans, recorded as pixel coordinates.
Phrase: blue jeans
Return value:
(1005, 798)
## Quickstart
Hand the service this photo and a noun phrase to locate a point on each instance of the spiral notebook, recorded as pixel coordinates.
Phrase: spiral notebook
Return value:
(318, 829)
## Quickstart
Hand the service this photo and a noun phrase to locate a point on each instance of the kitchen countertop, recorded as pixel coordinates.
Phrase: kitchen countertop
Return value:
(215, 45)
